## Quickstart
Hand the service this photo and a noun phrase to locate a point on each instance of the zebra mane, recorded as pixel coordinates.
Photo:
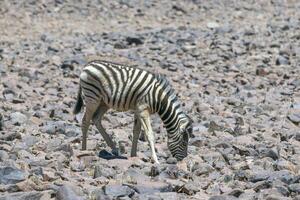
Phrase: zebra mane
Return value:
(163, 81)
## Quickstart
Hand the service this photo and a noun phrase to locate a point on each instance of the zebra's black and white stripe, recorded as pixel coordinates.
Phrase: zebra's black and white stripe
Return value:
(105, 85)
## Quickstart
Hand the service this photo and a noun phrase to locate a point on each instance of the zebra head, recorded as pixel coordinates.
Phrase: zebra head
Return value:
(178, 144)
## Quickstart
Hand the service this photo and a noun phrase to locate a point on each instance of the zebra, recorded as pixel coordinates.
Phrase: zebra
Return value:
(104, 85)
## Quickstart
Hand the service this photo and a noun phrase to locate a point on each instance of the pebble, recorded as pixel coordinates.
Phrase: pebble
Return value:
(281, 60)
(18, 118)
(237, 81)
(295, 118)
(100, 171)
(32, 195)
(118, 191)
(54, 127)
(212, 25)
(295, 188)
(1, 122)
(202, 168)
(3, 155)
(11, 175)
(171, 160)
(69, 192)
(134, 40)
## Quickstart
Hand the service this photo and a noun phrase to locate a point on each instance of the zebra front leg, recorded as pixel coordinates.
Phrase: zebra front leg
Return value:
(86, 121)
(136, 134)
(144, 117)
(97, 118)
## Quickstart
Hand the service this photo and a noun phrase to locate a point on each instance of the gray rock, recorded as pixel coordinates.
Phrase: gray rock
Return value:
(296, 106)
(154, 171)
(72, 131)
(212, 25)
(223, 197)
(169, 195)
(282, 190)
(285, 176)
(236, 192)
(9, 136)
(171, 160)
(54, 144)
(66, 149)
(260, 185)
(103, 171)
(3, 68)
(202, 168)
(282, 164)
(281, 60)
(295, 187)
(28, 195)
(118, 190)
(295, 118)
(255, 176)
(189, 188)
(54, 127)
(297, 197)
(98, 194)
(77, 166)
(172, 68)
(151, 188)
(18, 118)
(3, 155)
(11, 175)
(29, 140)
(69, 192)
(1, 122)
(172, 172)
(267, 152)
(134, 40)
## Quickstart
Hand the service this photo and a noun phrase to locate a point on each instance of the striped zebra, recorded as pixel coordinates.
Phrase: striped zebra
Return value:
(105, 85)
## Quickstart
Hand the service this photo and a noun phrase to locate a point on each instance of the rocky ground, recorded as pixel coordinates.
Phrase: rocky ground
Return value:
(234, 64)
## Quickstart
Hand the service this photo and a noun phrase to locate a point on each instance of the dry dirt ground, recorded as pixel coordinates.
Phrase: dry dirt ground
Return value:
(234, 65)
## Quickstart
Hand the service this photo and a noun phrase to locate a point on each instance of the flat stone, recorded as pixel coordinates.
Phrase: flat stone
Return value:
(202, 168)
(118, 190)
(295, 118)
(281, 60)
(10, 175)
(10, 136)
(28, 195)
(18, 118)
(68, 192)
(171, 160)
(255, 176)
(295, 187)
(285, 176)
(212, 25)
(3, 155)
(222, 197)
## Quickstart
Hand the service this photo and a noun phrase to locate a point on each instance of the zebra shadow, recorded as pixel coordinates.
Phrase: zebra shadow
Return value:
(109, 156)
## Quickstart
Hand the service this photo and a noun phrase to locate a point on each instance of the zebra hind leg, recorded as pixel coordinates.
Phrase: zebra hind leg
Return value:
(86, 120)
(101, 110)
(136, 134)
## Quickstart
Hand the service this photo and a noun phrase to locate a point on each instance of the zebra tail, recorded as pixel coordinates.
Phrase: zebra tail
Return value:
(79, 102)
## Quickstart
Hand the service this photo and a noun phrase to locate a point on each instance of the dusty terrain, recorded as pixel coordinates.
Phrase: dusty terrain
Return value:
(235, 67)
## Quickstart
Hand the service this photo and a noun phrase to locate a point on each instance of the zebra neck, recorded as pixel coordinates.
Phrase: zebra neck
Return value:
(170, 113)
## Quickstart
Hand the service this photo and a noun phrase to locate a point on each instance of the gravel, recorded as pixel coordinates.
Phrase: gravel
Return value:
(234, 65)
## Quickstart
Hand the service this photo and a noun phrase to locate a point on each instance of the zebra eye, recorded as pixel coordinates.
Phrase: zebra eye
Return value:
(189, 130)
